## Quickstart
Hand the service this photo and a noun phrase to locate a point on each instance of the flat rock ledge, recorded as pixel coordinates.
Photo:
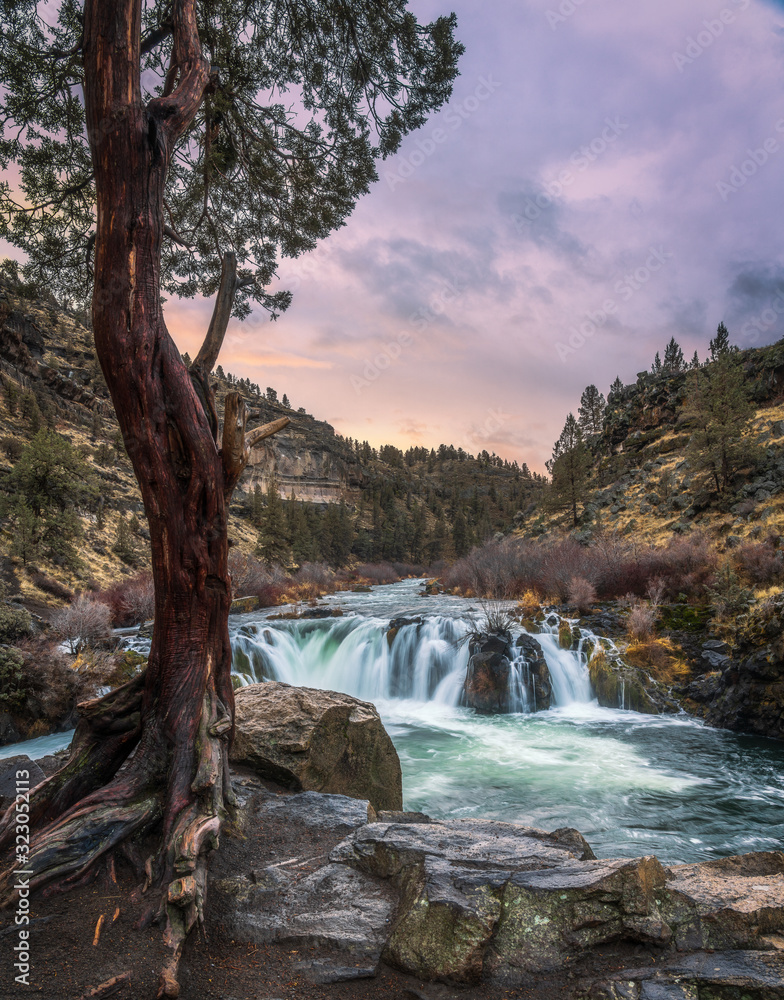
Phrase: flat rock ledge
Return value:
(469, 901)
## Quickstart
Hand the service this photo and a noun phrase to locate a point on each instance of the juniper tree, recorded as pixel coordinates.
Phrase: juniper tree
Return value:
(180, 147)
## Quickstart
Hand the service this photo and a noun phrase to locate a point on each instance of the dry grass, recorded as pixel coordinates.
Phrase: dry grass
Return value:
(660, 657)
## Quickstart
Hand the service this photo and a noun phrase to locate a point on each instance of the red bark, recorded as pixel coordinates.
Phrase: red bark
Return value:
(174, 739)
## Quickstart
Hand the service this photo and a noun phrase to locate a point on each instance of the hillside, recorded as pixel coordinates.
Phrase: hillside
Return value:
(643, 480)
(419, 506)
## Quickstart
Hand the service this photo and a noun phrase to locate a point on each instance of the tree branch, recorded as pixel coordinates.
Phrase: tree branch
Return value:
(155, 37)
(221, 314)
(236, 443)
(175, 110)
(252, 438)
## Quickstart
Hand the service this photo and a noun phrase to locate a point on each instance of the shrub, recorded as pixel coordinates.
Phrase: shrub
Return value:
(12, 683)
(582, 594)
(530, 603)
(52, 685)
(12, 447)
(131, 601)
(317, 574)
(728, 597)
(759, 563)
(641, 622)
(51, 586)
(15, 623)
(248, 574)
(84, 623)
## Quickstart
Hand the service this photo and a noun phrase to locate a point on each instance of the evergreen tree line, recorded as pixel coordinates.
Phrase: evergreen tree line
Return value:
(717, 404)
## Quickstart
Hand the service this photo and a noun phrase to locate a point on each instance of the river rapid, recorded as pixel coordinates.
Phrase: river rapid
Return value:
(632, 784)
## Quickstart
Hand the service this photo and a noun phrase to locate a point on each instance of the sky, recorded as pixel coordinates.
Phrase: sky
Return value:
(607, 175)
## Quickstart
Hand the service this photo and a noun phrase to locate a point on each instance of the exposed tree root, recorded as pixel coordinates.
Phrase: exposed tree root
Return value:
(191, 803)
(108, 730)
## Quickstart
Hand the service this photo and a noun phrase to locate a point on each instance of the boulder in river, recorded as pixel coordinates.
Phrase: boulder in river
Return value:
(486, 685)
(321, 741)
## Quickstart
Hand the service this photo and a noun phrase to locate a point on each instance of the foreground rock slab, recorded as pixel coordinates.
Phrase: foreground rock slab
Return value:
(313, 740)
(474, 901)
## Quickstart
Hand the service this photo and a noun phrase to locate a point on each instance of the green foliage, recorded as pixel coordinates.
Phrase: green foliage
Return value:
(15, 623)
(719, 405)
(720, 345)
(31, 412)
(569, 468)
(673, 359)
(44, 492)
(303, 98)
(591, 411)
(273, 541)
(123, 546)
(12, 680)
(11, 393)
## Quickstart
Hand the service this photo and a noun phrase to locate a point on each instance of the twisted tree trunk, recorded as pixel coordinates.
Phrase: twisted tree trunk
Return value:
(172, 726)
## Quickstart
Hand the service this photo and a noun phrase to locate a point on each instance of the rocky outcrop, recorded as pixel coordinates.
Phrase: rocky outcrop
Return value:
(743, 687)
(487, 682)
(535, 671)
(497, 666)
(322, 741)
(465, 901)
(618, 684)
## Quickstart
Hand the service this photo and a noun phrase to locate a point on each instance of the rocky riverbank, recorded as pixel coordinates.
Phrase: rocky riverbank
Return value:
(343, 899)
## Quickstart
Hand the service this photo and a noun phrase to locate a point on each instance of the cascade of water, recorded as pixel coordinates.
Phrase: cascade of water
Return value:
(424, 661)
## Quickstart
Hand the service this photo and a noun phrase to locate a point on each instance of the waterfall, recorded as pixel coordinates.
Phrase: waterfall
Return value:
(423, 661)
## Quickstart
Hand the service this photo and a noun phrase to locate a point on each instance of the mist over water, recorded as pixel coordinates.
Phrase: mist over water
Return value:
(632, 784)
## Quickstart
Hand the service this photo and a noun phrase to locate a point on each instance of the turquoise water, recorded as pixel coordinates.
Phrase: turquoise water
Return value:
(632, 784)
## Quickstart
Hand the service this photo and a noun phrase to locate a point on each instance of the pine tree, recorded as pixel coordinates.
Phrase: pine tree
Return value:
(53, 482)
(720, 344)
(285, 401)
(569, 468)
(273, 542)
(720, 407)
(617, 386)
(123, 546)
(272, 396)
(673, 359)
(591, 411)
(257, 506)
(695, 362)
(656, 367)
(460, 535)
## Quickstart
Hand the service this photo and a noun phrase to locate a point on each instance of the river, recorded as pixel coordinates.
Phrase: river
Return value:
(632, 784)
